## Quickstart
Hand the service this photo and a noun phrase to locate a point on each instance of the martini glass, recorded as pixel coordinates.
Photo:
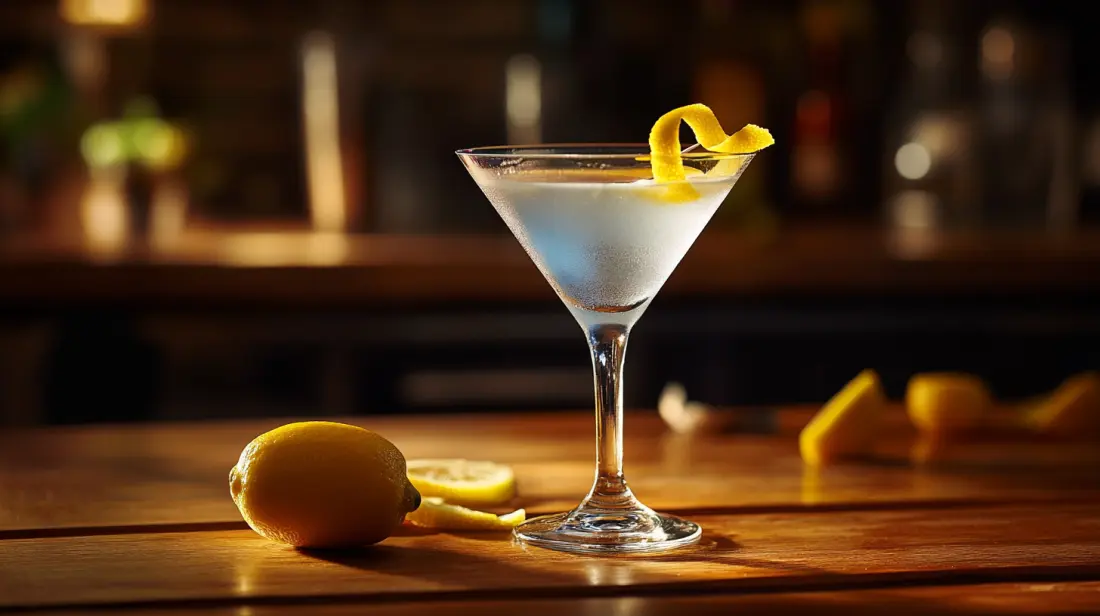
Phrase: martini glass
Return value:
(606, 236)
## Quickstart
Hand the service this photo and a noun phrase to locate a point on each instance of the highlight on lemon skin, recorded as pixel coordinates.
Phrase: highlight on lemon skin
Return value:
(320, 484)
(845, 426)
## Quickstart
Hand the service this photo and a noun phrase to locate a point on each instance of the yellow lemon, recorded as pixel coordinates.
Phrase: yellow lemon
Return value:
(434, 513)
(464, 482)
(321, 484)
(1072, 408)
(845, 426)
(947, 402)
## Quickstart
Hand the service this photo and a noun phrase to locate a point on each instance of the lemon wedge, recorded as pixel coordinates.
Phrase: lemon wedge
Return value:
(1073, 407)
(666, 158)
(947, 402)
(845, 425)
(464, 482)
(436, 514)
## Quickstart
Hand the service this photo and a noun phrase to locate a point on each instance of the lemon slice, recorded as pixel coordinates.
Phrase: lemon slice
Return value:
(845, 425)
(946, 402)
(666, 158)
(436, 514)
(464, 482)
(1073, 407)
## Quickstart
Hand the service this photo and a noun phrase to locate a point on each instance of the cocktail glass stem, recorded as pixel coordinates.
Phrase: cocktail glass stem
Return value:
(608, 346)
(610, 518)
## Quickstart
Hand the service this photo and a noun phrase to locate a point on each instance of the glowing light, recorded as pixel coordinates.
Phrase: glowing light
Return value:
(104, 215)
(104, 12)
(915, 209)
(324, 164)
(936, 133)
(913, 161)
(265, 249)
(85, 54)
(157, 143)
(998, 53)
(523, 99)
(151, 141)
(168, 210)
(102, 146)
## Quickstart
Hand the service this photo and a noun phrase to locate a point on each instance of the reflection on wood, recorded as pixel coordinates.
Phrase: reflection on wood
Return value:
(1007, 599)
(793, 551)
(83, 479)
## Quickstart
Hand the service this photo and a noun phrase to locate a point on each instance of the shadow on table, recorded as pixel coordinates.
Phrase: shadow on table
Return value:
(459, 565)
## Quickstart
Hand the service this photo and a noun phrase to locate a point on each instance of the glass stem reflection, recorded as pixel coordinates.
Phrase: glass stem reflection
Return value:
(608, 345)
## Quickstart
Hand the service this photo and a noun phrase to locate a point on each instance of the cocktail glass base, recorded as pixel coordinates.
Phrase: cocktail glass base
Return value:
(593, 531)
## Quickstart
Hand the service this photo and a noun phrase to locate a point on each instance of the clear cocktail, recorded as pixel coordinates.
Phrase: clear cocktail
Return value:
(606, 225)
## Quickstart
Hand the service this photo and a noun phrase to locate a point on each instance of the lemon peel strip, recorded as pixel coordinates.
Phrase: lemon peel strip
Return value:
(666, 158)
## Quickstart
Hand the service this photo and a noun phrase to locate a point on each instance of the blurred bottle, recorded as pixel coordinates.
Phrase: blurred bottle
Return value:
(35, 130)
(728, 79)
(557, 22)
(819, 162)
(1026, 145)
(929, 176)
(1089, 213)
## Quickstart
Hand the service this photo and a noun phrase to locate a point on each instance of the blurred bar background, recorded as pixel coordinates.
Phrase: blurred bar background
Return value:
(227, 208)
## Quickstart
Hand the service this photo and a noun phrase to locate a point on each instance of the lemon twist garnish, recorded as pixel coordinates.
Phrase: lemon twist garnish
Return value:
(436, 514)
(664, 144)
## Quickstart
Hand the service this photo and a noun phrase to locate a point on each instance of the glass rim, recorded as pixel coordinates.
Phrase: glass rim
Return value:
(586, 151)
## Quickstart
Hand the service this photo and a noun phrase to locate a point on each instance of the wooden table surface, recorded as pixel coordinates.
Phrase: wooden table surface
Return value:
(137, 520)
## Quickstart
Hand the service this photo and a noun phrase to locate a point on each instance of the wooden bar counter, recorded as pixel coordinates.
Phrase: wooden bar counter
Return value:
(137, 519)
(306, 269)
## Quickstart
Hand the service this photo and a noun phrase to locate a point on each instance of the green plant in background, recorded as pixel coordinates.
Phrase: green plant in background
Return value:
(140, 137)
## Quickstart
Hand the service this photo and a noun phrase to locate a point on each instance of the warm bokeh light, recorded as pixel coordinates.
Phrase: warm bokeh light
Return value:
(938, 134)
(103, 146)
(149, 141)
(320, 107)
(273, 249)
(913, 161)
(158, 143)
(998, 53)
(105, 12)
(915, 209)
(523, 99)
(168, 210)
(105, 217)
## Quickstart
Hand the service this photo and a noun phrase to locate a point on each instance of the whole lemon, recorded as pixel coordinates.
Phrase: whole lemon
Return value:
(319, 484)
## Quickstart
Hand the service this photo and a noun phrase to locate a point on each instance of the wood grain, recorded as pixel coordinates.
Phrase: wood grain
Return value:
(175, 474)
(789, 551)
(988, 599)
